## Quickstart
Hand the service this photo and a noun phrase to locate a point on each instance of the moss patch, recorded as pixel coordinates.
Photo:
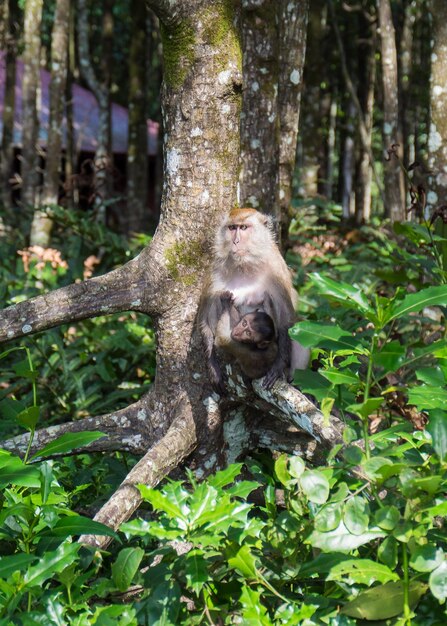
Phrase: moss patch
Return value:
(183, 260)
(220, 30)
(178, 52)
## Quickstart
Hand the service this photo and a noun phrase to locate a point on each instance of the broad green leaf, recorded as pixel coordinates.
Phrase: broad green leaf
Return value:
(196, 570)
(387, 517)
(427, 397)
(224, 516)
(296, 466)
(126, 566)
(315, 485)
(10, 408)
(79, 525)
(29, 417)
(226, 476)
(356, 515)
(162, 606)
(15, 472)
(343, 293)
(51, 563)
(160, 502)
(438, 582)
(68, 442)
(384, 601)
(322, 564)
(282, 469)
(340, 377)
(390, 357)
(253, 611)
(362, 572)
(373, 466)
(244, 562)
(202, 500)
(388, 552)
(311, 382)
(433, 376)
(341, 540)
(432, 296)
(419, 353)
(365, 409)
(312, 334)
(242, 489)
(437, 427)
(426, 558)
(329, 517)
(15, 563)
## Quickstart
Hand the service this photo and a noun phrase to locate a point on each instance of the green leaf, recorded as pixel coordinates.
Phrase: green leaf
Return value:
(160, 502)
(426, 558)
(365, 409)
(427, 397)
(437, 427)
(15, 472)
(51, 563)
(242, 489)
(15, 563)
(311, 334)
(433, 376)
(79, 525)
(373, 466)
(29, 417)
(347, 295)
(253, 611)
(388, 552)
(296, 466)
(282, 469)
(68, 442)
(390, 357)
(383, 601)
(387, 517)
(126, 566)
(226, 476)
(362, 572)
(341, 540)
(10, 408)
(438, 582)
(432, 296)
(311, 382)
(356, 515)
(329, 517)
(340, 377)
(196, 570)
(244, 562)
(315, 485)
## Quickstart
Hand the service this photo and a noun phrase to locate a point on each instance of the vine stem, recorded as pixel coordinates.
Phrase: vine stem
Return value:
(366, 395)
(407, 610)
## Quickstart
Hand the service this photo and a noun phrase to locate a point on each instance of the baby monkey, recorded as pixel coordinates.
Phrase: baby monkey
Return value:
(253, 338)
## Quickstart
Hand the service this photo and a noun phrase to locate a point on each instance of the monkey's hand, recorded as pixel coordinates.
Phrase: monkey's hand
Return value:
(227, 299)
(216, 376)
(275, 372)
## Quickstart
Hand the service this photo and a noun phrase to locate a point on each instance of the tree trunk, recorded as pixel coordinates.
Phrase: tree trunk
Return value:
(437, 142)
(137, 162)
(31, 84)
(347, 168)
(394, 181)
(9, 45)
(42, 222)
(103, 157)
(292, 51)
(180, 416)
(366, 83)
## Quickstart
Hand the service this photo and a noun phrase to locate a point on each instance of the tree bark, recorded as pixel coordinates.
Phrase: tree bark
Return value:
(394, 181)
(9, 45)
(137, 162)
(31, 84)
(180, 417)
(42, 222)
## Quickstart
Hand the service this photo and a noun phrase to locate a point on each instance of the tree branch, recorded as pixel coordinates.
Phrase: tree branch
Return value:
(164, 456)
(129, 430)
(119, 290)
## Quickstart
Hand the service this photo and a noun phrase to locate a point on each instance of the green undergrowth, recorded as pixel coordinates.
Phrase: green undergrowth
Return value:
(359, 540)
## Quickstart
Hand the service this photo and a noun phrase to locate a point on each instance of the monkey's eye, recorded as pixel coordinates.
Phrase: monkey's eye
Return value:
(248, 333)
(244, 323)
(232, 227)
(243, 226)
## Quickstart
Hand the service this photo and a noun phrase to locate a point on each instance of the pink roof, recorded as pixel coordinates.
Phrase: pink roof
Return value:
(85, 111)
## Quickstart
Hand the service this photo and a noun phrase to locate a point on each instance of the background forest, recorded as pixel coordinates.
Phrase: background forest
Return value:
(355, 173)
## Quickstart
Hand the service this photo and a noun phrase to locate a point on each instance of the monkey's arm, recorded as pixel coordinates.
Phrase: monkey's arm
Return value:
(279, 306)
(210, 312)
(227, 302)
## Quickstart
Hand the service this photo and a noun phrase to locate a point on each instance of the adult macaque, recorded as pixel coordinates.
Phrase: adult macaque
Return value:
(248, 263)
